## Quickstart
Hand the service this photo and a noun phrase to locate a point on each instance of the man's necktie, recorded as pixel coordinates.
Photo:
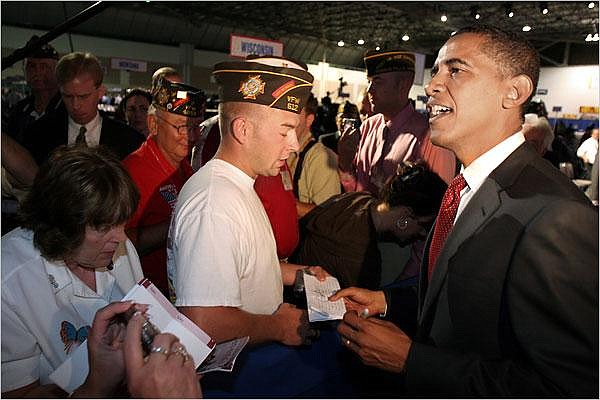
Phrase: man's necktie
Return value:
(445, 219)
(81, 137)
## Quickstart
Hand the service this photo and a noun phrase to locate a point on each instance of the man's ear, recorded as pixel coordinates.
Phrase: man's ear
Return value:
(152, 124)
(240, 129)
(518, 90)
(310, 118)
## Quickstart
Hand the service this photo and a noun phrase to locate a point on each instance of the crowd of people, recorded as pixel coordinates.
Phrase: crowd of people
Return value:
(496, 291)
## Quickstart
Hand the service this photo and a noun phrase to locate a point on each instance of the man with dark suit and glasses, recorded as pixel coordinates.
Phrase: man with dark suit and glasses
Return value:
(508, 296)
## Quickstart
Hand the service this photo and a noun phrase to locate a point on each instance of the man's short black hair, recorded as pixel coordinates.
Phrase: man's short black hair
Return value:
(513, 54)
(312, 105)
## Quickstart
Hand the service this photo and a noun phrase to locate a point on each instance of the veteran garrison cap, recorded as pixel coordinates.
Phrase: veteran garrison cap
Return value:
(389, 61)
(274, 82)
(44, 51)
(178, 98)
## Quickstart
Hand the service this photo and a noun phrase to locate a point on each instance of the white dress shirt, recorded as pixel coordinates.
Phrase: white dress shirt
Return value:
(92, 134)
(480, 169)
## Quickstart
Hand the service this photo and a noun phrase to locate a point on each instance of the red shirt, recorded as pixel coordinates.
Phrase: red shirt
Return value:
(159, 184)
(280, 205)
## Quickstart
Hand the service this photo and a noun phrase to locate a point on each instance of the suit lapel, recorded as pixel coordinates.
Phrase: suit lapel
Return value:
(104, 129)
(479, 210)
(483, 204)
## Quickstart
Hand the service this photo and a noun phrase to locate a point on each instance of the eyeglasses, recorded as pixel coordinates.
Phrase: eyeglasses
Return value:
(181, 129)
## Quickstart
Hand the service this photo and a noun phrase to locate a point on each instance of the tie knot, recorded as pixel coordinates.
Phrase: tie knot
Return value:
(458, 184)
(82, 130)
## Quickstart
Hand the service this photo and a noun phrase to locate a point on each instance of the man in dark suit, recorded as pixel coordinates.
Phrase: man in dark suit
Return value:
(509, 305)
(80, 78)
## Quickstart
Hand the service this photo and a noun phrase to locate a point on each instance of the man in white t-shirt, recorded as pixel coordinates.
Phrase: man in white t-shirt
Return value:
(222, 256)
(587, 151)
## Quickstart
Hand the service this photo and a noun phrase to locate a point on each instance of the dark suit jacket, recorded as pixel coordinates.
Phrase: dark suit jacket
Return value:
(51, 131)
(512, 306)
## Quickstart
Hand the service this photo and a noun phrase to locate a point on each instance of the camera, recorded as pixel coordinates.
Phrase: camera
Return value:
(149, 330)
(350, 123)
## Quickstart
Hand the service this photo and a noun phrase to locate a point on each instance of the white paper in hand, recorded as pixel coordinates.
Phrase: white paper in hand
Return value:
(72, 373)
(317, 294)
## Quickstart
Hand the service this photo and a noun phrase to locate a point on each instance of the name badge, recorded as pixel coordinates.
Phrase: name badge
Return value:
(285, 178)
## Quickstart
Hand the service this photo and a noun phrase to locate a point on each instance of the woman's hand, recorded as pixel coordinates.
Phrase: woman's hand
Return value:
(167, 372)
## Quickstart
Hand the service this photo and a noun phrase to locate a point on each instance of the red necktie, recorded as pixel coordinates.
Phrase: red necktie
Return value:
(445, 219)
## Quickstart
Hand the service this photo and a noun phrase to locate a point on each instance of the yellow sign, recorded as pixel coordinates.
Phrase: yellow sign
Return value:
(570, 116)
(589, 109)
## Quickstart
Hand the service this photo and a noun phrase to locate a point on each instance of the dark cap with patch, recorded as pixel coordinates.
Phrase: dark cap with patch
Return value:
(44, 51)
(178, 98)
(388, 61)
(269, 81)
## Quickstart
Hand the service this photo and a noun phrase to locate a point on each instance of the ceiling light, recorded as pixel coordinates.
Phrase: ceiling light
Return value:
(595, 38)
(452, 33)
(508, 10)
(341, 43)
(377, 48)
(526, 28)
(361, 41)
(405, 38)
(589, 38)
(444, 18)
(591, 5)
(544, 7)
(474, 13)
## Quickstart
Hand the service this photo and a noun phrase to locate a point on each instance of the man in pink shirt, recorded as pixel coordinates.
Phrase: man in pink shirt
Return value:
(396, 132)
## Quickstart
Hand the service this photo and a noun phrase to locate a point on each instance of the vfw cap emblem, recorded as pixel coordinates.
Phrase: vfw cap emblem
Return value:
(252, 87)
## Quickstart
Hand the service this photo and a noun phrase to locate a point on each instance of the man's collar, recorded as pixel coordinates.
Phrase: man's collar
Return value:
(89, 126)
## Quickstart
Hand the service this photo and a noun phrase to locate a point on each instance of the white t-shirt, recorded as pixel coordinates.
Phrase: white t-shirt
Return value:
(588, 149)
(47, 310)
(221, 249)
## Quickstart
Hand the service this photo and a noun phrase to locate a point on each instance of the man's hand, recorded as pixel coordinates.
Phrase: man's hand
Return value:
(318, 272)
(358, 299)
(293, 325)
(288, 272)
(378, 343)
(167, 372)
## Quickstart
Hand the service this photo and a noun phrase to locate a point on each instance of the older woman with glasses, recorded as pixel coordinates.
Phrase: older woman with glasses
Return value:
(341, 234)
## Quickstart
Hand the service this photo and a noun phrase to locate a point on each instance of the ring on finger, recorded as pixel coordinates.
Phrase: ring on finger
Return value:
(180, 350)
(159, 349)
